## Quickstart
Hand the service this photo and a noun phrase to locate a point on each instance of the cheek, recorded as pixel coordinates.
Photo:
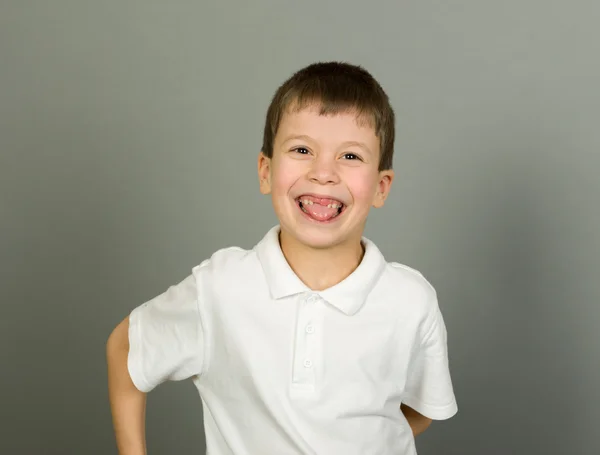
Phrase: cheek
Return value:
(284, 177)
(363, 187)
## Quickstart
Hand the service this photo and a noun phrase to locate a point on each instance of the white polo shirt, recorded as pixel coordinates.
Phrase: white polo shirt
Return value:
(285, 370)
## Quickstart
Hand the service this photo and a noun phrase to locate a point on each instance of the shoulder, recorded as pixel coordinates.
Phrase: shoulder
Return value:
(416, 300)
(409, 282)
(224, 257)
(227, 264)
(408, 295)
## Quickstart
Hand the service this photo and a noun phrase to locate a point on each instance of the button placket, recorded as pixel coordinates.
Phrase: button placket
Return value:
(311, 348)
(305, 346)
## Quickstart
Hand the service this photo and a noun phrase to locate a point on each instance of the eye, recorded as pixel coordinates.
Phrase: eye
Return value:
(351, 156)
(301, 150)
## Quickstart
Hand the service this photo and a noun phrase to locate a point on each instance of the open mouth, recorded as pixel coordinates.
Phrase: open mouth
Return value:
(320, 209)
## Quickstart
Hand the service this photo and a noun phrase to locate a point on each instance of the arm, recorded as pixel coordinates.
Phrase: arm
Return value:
(418, 422)
(428, 393)
(128, 404)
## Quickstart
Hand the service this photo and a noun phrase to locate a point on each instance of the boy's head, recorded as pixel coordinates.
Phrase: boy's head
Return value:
(327, 153)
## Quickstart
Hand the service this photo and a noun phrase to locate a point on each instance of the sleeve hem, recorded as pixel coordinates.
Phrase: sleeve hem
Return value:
(134, 356)
(433, 412)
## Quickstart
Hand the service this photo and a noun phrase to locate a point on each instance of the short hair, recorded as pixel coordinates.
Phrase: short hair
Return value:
(336, 87)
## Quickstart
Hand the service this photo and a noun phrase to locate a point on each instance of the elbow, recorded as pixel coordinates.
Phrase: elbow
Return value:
(417, 421)
(426, 423)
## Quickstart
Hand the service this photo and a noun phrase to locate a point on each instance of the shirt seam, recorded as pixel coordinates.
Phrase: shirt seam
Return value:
(429, 404)
(134, 360)
(202, 325)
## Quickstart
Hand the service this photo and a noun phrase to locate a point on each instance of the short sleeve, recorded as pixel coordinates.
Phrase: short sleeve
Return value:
(166, 337)
(428, 389)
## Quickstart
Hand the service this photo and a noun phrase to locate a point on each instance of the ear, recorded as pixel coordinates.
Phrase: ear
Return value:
(383, 187)
(264, 173)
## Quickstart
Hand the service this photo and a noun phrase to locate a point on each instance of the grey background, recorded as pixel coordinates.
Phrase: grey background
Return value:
(128, 137)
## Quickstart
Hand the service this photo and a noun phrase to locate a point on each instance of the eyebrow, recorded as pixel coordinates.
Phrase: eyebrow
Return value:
(361, 145)
(304, 137)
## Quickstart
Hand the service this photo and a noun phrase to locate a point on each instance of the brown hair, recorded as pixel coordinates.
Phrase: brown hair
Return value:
(336, 87)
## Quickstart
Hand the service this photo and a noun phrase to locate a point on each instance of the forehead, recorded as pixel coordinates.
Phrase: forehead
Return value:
(336, 127)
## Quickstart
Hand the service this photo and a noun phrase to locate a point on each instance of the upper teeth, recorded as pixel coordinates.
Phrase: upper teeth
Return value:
(331, 206)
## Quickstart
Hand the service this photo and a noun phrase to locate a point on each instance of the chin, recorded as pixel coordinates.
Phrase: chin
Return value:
(321, 241)
(316, 237)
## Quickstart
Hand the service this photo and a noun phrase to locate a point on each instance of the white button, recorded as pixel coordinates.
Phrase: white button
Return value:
(307, 363)
(310, 329)
(312, 299)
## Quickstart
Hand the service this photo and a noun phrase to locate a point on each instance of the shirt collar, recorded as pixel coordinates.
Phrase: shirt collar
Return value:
(348, 296)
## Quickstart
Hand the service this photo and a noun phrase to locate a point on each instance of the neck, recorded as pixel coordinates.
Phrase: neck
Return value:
(321, 268)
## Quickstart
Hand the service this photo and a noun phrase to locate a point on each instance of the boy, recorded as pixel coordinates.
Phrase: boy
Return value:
(310, 343)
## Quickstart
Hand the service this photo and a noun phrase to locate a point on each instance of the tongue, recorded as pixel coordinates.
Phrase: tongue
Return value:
(318, 210)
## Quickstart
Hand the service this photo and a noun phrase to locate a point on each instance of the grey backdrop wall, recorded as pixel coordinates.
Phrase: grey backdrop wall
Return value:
(128, 140)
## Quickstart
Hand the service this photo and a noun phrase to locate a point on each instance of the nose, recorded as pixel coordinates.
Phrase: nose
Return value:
(323, 171)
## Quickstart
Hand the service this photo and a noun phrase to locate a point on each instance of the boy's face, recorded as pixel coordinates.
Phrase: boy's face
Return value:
(323, 177)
